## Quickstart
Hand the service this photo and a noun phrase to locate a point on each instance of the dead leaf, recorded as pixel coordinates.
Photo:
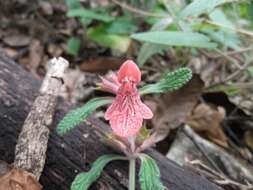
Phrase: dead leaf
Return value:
(173, 108)
(208, 72)
(206, 120)
(248, 138)
(17, 40)
(35, 55)
(17, 179)
(102, 64)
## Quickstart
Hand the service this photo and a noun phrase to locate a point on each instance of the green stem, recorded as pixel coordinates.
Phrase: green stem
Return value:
(132, 173)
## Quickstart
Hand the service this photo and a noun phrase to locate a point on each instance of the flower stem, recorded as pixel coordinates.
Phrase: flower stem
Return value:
(132, 173)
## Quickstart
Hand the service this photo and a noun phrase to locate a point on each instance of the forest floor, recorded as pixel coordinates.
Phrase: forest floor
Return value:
(209, 122)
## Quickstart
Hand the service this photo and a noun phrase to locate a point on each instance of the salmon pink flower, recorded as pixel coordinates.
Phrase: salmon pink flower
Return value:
(127, 111)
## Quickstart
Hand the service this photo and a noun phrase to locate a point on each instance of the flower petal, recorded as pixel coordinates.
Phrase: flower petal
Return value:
(144, 110)
(111, 110)
(126, 125)
(109, 83)
(130, 71)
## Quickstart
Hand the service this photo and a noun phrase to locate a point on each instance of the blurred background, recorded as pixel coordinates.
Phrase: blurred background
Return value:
(209, 121)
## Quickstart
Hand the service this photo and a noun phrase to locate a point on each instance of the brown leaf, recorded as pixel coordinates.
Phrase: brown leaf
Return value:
(206, 120)
(17, 40)
(173, 108)
(102, 64)
(17, 179)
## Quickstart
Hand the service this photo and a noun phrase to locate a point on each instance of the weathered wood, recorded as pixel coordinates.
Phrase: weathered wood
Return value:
(214, 156)
(30, 153)
(75, 151)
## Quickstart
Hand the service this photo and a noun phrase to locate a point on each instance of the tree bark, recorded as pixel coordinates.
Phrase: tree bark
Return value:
(30, 153)
(74, 152)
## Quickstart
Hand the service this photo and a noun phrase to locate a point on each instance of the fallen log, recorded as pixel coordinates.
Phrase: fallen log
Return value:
(74, 152)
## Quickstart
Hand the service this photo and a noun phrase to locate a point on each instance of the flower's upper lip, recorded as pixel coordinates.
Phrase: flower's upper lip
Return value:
(129, 71)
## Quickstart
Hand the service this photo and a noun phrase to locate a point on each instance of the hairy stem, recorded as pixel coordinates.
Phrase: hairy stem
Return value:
(132, 173)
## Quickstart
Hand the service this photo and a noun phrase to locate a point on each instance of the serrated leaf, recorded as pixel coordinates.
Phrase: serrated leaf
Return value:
(73, 45)
(149, 175)
(78, 115)
(170, 81)
(83, 180)
(175, 38)
(85, 13)
(198, 7)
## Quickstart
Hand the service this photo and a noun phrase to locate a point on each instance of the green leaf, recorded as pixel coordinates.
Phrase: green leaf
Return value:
(149, 175)
(250, 71)
(85, 13)
(174, 38)
(73, 4)
(170, 81)
(78, 115)
(148, 50)
(73, 45)
(83, 180)
(198, 7)
(225, 36)
(220, 17)
(113, 41)
(227, 39)
(122, 25)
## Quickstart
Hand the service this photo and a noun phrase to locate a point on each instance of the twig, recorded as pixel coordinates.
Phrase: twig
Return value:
(234, 52)
(232, 76)
(242, 31)
(222, 179)
(191, 137)
(231, 59)
(31, 147)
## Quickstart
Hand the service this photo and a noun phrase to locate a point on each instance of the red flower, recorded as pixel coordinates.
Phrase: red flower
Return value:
(127, 111)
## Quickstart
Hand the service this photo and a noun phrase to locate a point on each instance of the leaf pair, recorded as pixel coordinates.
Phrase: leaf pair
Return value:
(149, 175)
(169, 82)
(85, 179)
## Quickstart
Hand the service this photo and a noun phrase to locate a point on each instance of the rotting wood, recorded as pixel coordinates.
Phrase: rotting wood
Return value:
(77, 150)
(30, 153)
